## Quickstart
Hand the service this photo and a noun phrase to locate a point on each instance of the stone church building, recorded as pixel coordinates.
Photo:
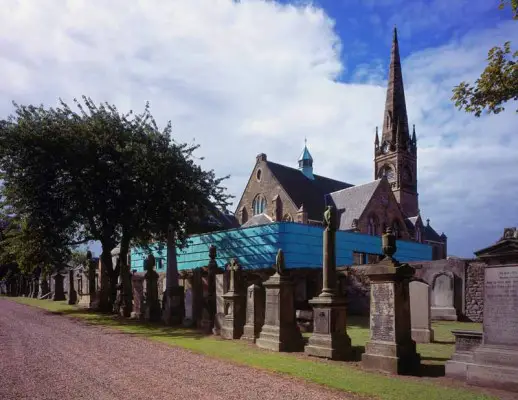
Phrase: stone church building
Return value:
(276, 192)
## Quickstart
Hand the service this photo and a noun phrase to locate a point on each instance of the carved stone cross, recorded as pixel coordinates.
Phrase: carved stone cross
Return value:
(233, 267)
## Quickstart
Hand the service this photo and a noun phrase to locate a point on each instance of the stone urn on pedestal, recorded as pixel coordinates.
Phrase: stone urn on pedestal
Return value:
(391, 348)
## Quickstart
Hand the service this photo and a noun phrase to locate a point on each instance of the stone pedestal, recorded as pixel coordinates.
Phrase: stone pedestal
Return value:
(280, 331)
(391, 348)
(255, 303)
(465, 344)
(72, 294)
(59, 290)
(420, 294)
(329, 338)
(234, 307)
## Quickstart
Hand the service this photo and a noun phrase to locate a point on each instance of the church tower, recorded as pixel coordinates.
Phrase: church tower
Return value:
(395, 152)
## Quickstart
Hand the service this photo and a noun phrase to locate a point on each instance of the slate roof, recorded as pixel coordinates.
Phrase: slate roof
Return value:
(256, 220)
(351, 202)
(431, 234)
(302, 190)
(410, 223)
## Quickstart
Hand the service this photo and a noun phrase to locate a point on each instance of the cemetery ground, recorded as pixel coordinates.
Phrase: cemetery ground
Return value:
(344, 377)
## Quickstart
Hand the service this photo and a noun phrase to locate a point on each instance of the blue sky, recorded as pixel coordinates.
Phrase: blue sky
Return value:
(241, 78)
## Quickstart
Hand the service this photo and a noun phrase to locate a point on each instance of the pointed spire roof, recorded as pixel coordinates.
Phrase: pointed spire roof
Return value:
(395, 120)
(306, 155)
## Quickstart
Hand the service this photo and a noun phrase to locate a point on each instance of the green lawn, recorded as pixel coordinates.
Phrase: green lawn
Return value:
(338, 375)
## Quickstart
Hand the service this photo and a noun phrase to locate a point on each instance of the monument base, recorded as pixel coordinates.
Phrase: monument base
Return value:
(234, 320)
(329, 338)
(174, 309)
(72, 297)
(58, 297)
(250, 333)
(285, 339)
(392, 358)
(422, 335)
(443, 314)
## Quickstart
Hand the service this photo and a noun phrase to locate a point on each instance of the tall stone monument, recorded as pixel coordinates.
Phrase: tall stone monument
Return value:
(174, 308)
(391, 348)
(152, 311)
(280, 331)
(494, 363)
(72, 293)
(137, 284)
(329, 338)
(234, 307)
(59, 289)
(255, 303)
(208, 309)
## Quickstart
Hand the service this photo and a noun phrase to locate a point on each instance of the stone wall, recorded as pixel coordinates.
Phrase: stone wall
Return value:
(474, 291)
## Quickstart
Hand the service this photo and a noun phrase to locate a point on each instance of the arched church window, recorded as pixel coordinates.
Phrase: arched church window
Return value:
(386, 171)
(287, 218)
(372, 226)
(259, 204)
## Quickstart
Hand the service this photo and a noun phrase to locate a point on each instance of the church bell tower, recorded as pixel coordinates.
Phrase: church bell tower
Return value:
(395, 152)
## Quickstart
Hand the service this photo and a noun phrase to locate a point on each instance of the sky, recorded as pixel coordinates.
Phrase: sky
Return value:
(252, 76)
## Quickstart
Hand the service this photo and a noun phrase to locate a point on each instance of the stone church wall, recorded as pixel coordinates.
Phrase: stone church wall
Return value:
(475, 291)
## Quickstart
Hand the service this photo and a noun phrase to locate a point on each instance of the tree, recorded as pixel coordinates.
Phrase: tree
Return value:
(115, 177)
(497, 84)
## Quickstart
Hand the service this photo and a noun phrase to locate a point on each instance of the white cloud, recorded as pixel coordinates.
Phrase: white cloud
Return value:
(256, 76)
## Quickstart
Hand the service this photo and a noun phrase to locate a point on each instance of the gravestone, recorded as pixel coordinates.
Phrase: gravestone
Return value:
(188, 304)
(72, 294)
(221, 289)
(280, 331)
(138, 296)
(391, 348)
(420, 312)
(255, 303)
(329, 338)
(494, 363)
(35, 287)
(443, 290)
(234, 306)
(59, 290)
(174, 308)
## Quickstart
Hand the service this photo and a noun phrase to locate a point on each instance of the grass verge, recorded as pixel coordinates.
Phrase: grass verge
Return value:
(342, 376)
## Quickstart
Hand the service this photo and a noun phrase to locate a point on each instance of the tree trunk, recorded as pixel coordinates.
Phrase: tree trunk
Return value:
(125, 274)
(106, 298)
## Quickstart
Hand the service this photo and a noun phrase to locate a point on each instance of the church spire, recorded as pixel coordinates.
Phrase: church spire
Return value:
(395, 120)
(306, 162)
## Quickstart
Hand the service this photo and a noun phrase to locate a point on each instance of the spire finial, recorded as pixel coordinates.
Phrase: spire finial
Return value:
(394, 37)
(305, 141)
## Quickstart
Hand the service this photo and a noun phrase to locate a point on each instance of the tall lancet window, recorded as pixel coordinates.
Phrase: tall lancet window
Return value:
(372, 227)
(259, 204)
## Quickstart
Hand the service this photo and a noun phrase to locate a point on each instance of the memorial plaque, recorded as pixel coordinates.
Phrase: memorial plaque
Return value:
(272, 305)
(322, 322)
(501, 305)
(443, 291)
(382, 312)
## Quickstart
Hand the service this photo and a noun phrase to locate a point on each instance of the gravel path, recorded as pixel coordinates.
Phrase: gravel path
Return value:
(45, 356)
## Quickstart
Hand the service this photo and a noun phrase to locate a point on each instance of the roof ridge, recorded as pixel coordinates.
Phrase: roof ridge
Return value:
(376, 181)
(315, 175)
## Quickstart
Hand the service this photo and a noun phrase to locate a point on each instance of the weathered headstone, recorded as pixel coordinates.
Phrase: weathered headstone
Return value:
(255, 303)
(59, 291)
(280, 331)
(137, 284)
(443, 289)
(153, 311)
(188, 304)
(391, 348)
(494, 363)
(329, 338)
(208, 311)
(234, 307)
(420, 312)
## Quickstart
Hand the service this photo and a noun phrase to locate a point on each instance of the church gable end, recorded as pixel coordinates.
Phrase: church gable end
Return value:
(264, 194)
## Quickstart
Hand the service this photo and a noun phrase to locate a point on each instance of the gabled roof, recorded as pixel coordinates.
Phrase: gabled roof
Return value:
(351, 202)
(411, 223)
(431, 234)
(256, 220)
(302, 190)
